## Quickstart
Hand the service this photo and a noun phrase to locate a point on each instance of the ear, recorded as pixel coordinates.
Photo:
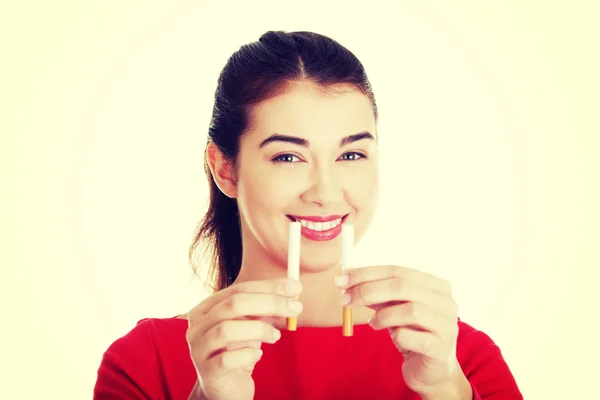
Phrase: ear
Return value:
(222, 171)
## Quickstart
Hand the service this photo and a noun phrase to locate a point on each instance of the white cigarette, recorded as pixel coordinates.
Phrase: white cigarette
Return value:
(347, 245)
(347, 254)
(293, 271)
(294, 251)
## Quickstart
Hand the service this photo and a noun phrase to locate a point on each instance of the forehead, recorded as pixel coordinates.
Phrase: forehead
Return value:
(308, 111)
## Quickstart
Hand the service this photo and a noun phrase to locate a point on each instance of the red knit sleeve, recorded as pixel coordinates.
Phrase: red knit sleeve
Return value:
(129, 368)
(484, 366)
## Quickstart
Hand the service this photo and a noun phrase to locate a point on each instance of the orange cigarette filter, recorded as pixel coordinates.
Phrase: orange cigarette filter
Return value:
(348, 325)
(292, 322)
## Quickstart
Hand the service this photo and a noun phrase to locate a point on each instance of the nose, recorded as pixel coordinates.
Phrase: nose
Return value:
(325, 187)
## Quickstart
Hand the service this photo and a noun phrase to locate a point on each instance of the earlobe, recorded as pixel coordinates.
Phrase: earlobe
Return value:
(222, 171)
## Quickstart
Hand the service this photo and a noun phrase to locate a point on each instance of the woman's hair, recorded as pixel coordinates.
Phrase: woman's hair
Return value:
(254, 73)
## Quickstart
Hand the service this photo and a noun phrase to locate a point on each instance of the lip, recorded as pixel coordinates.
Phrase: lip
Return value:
(321, 236)
(318, 218)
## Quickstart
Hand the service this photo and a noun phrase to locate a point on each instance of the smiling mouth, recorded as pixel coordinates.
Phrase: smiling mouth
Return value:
(318, 226)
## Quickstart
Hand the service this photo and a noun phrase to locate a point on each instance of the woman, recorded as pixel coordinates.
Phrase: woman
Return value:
(293, 138)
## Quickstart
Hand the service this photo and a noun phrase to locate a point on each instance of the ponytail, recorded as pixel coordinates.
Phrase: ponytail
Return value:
(220, 233)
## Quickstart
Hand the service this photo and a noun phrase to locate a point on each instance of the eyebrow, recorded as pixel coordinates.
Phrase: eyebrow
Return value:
(278, 137)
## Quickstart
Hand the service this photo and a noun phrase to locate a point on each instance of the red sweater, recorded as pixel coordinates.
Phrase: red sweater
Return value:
(152, 361)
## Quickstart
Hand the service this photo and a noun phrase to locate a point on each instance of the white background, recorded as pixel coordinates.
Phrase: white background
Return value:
(489, 143)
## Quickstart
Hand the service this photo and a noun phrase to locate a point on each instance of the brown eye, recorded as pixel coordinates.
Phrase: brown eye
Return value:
(352, 156)
(285, 158)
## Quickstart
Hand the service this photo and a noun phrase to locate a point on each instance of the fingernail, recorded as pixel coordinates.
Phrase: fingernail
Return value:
(346, 298)
(342, 280)
(371, 321)
(294, 288)
(294, 305)
(258, 353)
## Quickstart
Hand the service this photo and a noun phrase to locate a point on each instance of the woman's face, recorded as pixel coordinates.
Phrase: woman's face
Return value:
(310, 155)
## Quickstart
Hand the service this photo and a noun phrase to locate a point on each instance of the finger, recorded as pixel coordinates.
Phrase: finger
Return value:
(228, 333)
(424, 343)
(232, 334)
(416, 316)
(226, 362)
(243, 305)
(283, 287)
(377, 307)
(357, 276)
(266, 320)
(239, 345)
(373, 293)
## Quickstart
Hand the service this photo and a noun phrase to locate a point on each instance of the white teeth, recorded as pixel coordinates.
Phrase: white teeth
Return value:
(320, 226)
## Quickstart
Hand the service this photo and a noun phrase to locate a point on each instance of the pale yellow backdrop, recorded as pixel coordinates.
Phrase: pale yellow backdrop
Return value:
(489, 140)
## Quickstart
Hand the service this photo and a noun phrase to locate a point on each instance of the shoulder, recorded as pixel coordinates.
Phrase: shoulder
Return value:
(148, 334)
(484, 365)
(133, 365)
(471, 340)
(147, 328)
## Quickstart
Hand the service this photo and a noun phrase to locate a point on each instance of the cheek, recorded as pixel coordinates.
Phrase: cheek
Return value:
(265, 192)
(362, 189)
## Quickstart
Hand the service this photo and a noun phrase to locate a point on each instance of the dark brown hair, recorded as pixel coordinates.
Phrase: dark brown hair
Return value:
(254, 73)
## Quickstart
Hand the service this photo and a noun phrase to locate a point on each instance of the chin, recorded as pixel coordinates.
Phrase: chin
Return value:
(318, 264)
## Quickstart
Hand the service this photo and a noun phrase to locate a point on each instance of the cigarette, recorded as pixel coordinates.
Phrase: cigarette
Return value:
(347, 249)
(293, 272)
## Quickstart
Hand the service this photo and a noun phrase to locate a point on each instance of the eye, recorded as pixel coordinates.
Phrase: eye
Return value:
(352, 156)
(285, 158)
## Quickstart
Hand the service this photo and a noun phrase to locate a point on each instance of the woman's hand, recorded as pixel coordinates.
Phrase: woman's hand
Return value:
(226, 331)
(421, 316)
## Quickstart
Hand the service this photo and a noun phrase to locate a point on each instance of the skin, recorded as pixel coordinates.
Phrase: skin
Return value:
(324, 179)
(226, 330)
